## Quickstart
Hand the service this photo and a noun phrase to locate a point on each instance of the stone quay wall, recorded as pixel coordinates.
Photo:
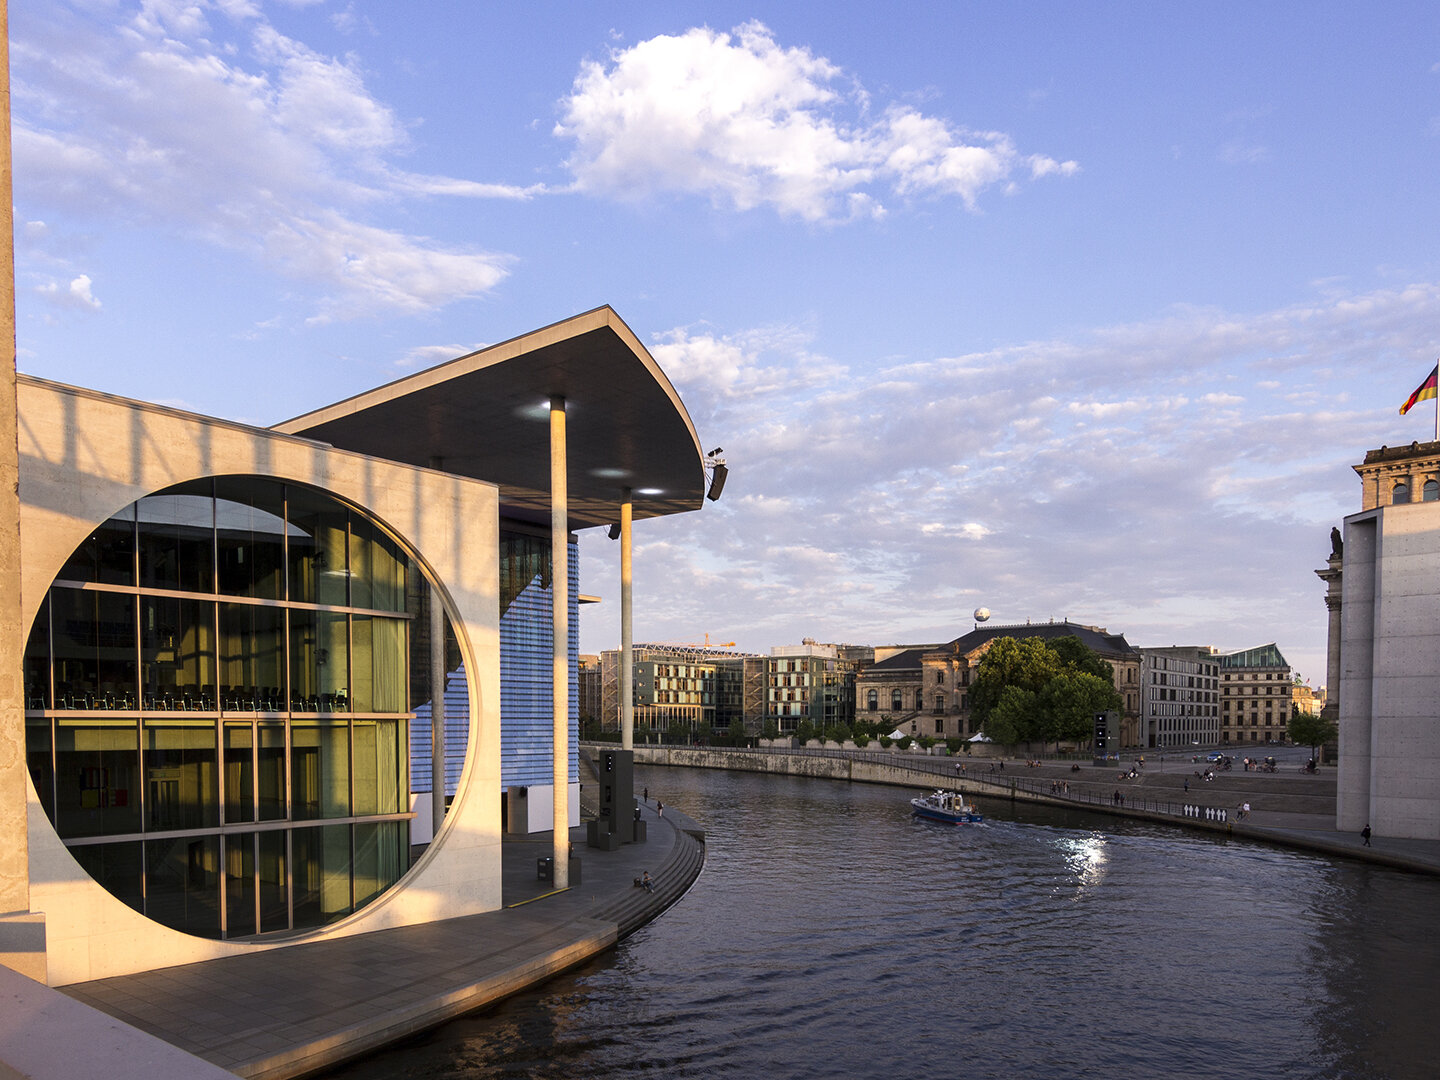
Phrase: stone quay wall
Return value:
(926, 773)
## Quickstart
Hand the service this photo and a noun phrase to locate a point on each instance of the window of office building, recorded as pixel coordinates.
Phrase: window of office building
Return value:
(218, 703)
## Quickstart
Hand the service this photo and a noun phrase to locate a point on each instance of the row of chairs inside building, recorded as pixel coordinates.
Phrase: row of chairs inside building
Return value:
(269, 699)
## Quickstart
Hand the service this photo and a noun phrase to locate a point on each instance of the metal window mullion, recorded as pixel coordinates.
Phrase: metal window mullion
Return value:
(284, 545)
(350, 727)
(289, 864)
(224, 890)
(255, 879)
(52, 720)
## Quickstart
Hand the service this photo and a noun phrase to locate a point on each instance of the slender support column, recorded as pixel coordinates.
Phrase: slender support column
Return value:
(560, 592)
(437, 712)
(627, 626)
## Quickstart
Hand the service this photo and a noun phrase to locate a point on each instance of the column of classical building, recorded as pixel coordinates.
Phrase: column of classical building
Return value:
(1332, 575)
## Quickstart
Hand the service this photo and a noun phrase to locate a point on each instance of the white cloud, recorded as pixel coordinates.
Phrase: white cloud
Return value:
(202, 116)
(427, 356)
(76, 295)
(748, 123)
(1243, 153)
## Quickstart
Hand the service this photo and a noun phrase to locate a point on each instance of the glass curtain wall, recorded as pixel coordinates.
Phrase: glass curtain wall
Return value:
(217, 707)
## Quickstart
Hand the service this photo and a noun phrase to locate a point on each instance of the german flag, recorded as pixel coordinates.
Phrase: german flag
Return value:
(1424, 392)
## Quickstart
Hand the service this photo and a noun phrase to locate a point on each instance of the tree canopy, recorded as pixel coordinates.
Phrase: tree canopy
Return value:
(1030, 689)
(1310, 730)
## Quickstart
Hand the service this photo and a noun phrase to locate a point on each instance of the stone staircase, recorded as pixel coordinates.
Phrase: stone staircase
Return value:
(673, 874)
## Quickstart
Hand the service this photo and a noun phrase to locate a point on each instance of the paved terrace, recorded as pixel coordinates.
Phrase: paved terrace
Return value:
(290, 1012)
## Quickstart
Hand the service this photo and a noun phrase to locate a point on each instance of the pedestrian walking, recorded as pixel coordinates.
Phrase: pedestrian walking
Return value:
(647, 794)
(659, 808)
(1365, 835)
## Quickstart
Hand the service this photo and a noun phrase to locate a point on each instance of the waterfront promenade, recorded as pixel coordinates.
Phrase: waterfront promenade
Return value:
(288, 1012)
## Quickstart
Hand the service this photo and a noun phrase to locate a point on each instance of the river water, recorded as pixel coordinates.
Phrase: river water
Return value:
(831, 935)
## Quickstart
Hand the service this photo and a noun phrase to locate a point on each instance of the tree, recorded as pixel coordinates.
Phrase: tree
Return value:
(804, 731)
(770, 730)
(1075, 654)
(1312, 731)
(1031, 689)
(1025, 663)
(1070, 701)
(1015, 718)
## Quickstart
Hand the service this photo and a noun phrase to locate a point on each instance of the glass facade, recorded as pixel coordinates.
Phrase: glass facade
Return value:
(217, 707)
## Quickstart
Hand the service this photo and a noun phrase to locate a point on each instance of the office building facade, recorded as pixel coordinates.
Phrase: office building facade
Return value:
(1179, 697)
(1254, 696)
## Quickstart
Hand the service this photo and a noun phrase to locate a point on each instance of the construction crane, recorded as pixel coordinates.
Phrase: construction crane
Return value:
(706, 644)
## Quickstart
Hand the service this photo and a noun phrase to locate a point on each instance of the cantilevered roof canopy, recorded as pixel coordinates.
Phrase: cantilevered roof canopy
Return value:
(486, 415)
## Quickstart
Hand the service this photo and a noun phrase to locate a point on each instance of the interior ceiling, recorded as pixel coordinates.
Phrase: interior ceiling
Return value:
(486, 416)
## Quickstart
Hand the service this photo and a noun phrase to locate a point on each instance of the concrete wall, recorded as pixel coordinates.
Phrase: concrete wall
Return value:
(83, 457)
(1390, 685)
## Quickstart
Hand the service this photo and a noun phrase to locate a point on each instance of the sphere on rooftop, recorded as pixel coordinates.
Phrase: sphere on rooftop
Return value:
(981, 614)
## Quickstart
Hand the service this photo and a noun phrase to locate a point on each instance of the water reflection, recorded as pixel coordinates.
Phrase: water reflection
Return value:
(1085, 856)
(832, 935)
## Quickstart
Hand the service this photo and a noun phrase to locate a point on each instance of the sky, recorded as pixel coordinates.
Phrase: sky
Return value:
(1067, 311)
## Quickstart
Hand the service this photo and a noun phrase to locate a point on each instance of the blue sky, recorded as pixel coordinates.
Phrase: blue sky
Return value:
(1067, 310)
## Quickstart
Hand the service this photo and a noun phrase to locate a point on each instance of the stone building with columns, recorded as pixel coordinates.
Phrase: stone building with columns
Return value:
(927, 690)
(1383, 598)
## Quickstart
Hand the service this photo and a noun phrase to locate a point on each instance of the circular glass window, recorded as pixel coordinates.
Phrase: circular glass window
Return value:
(218, 695)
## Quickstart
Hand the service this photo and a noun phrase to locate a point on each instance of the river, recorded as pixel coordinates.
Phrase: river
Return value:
(831, 935)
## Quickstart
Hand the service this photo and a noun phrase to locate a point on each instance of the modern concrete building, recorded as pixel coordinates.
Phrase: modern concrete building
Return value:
(674, 687)
(1383, 595)
(1179, 696)
(1255, 696)
(250, 650)
(809, 683)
